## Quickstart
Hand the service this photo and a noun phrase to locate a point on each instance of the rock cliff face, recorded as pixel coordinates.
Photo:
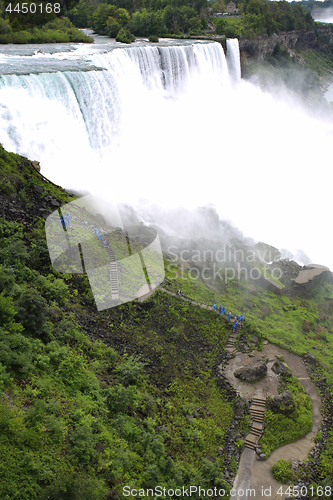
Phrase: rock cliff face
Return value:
(325, 34)
(309, 277)
(258, 48)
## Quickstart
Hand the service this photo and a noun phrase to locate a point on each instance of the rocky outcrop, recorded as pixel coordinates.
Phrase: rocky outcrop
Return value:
(266, 253)
(259, 47)
(278, 367)
(308, 278)
(325, 34)
(270, 285)
(251, 373)
(310, 358)
(283, 403)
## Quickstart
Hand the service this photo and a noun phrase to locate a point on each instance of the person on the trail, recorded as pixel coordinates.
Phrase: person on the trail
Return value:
(242, 320)
(239, 317)
(223, 310)
(179, 293)
(85, 223)
(229, 316)
(236, 323)
(233, 327)
(220, 309)
(214, 306)
(62, 221)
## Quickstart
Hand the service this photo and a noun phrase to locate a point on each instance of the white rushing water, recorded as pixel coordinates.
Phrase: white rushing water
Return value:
(173, 124)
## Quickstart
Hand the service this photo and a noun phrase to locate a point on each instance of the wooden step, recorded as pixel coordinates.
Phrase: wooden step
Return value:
(251, 441)
(256, 432)
(257, 414)
(257, 408)
(258, 402)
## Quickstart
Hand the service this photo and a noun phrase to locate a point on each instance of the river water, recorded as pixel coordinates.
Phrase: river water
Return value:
(172, 123)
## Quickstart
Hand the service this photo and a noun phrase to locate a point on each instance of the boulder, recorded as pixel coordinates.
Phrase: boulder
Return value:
(267, 253)
(278, 367)
(311, 358)
(309, 277)
(306, 326)
(253, 372)
(283, 403)
(319, 329)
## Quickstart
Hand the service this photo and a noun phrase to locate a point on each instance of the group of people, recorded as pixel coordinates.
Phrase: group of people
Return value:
(66, 223)
(221, 309)
(105, 241)
(238, 320)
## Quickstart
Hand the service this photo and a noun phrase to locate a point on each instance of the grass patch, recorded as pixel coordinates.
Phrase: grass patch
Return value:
(281, 429)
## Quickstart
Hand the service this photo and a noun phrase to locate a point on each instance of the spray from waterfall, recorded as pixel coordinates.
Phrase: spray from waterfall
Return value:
(176, 126)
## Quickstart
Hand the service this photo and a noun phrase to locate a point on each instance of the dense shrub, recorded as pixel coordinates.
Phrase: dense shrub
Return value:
(32, 313)
(281, 471)
(121, 399)
(130, 371)
(74, 487)
(83, 445)
(125, 36)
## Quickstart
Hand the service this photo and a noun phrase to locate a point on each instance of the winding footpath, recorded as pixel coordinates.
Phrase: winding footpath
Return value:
(254, 477)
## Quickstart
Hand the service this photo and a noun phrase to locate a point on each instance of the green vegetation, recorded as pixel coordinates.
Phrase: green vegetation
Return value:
(264, 18)
(38, 22)
(300, 74)
(166, 18)
(124, 19)
(56, 31)
(292, 422)
(92, 401)
(278, 319)
(326, 458)
(281, 471)
(81, 418)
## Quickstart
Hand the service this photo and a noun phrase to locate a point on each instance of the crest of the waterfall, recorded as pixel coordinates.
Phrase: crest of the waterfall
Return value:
(233, 59)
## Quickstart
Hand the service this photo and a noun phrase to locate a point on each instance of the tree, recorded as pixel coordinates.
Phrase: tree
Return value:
(125, 36)
(112, 27)
(122, 17)
(100, 17)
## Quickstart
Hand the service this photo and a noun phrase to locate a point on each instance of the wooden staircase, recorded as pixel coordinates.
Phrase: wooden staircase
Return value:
(113, 273)
(230, 345)
(257, 412)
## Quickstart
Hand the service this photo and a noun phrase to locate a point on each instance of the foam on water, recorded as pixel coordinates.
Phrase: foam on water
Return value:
(177, 126)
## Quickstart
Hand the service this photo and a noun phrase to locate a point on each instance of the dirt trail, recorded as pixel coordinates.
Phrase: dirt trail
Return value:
(254, 478)
(253, 475)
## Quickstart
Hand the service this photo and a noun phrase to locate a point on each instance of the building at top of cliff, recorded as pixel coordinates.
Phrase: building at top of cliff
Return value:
(231, 8)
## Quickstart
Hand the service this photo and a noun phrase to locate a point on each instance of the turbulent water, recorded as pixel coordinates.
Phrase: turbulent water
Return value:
(174, 124)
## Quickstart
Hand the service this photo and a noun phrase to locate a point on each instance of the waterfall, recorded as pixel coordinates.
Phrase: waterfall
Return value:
(173, 124)
(233, 59)
(66, 117)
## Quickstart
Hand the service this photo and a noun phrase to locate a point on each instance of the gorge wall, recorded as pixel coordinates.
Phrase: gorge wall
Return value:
(256, 49)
